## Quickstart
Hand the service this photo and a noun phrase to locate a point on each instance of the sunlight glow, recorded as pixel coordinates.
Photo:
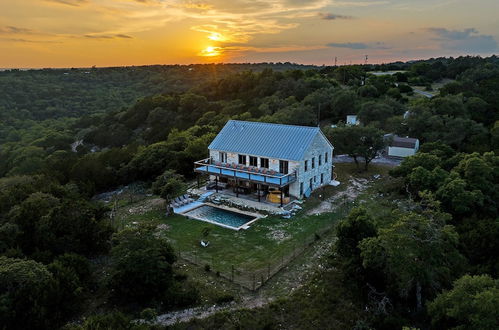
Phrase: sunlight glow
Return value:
(211, 51)
(215, 36)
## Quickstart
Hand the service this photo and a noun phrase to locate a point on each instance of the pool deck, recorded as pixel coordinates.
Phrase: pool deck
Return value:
(245, 201)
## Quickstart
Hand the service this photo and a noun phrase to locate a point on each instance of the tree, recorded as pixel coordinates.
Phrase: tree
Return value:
(472, 303)
(358, 141)
(142, 267)
(350, 232)
(24, 296)
(169, 185)
(417, 254)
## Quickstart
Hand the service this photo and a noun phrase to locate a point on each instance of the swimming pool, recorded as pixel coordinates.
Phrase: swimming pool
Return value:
(219, 216)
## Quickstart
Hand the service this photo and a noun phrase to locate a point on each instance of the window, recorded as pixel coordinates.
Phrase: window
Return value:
(320, 160)
(325, 157)
(301, 188)
(311, 184)
(222, 156)
(322, 178)
(313, 162)
(253, 161)
(283, 166)
(315, 178)
(264, 162)
(242, 159)
(306, 165)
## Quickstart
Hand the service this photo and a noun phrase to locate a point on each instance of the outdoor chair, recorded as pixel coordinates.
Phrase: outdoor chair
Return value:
(272, 172)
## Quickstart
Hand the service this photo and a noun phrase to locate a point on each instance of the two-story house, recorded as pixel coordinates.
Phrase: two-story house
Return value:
(254, 157)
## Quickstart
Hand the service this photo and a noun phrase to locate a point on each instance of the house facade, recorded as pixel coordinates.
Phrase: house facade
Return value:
(263, 157)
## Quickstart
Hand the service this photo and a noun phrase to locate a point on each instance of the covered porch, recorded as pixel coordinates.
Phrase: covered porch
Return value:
(263, 185)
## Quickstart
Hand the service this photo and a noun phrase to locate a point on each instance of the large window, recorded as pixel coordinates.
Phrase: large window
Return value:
(301, 188)
(311, 184)
(322, 178)
(253, 161)
(313, 162)
(222, 156)
(264, 162)
(306, 165)
(325, 157)
(242, 159)
(320, 160)
(283, 166)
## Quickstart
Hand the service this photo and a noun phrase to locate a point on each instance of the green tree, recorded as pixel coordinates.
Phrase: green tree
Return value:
(169, 185)
(24, 296)
(472, 303)
(142, 267)
(417, 254)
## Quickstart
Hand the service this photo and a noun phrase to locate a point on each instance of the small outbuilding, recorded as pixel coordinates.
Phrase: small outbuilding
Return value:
(401, 147)
(352, 120)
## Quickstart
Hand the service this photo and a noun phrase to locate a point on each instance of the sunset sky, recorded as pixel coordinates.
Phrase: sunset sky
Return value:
(82, 33)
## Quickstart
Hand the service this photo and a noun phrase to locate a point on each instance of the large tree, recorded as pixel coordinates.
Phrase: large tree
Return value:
(357, 142)
(418, 255)
(142, 266)
(473, 303)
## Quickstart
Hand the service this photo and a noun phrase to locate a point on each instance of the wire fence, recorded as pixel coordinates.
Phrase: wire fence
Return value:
(253, 279)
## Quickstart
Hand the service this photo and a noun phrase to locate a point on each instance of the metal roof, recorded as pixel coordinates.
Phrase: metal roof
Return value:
(277, 141)
(404, 142)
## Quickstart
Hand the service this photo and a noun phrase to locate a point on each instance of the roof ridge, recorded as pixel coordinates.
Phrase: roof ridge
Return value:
(273, 124)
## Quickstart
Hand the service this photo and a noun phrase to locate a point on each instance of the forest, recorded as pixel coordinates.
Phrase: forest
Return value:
(67, 135)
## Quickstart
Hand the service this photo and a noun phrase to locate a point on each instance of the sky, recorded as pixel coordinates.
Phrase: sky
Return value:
(84, 33)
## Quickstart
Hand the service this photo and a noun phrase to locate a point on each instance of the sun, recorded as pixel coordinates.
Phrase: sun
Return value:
(211, 51)
(215, 36)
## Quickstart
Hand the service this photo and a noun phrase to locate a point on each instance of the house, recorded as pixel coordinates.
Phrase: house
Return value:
(273, 160)
(352, 120)
(401, 146)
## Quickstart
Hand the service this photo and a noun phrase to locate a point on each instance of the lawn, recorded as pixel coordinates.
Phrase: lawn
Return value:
(268, 241)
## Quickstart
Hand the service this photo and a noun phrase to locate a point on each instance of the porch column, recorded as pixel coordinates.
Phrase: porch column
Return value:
(216, 183)
(281, 196)
(237, 188)
(258, 191)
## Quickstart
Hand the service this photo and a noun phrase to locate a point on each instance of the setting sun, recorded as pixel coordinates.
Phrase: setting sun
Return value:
(211, 51)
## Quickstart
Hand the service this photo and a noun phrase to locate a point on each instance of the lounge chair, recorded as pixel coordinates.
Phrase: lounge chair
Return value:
(272, 172)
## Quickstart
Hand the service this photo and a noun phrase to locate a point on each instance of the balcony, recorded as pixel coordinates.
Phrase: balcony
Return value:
(241, 172)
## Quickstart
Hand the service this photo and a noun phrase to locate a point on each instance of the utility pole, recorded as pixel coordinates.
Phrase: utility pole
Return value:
(366, 58)
(335, 61)
(319, 116)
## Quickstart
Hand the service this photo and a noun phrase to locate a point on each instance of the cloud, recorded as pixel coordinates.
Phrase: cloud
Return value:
(15, 30)
(468, 40)
(358, 45)
(22, 40)
(332, 17)
(74, 3)
(108, 36)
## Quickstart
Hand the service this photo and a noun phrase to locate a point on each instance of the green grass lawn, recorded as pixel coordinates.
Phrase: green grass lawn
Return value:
(264, 244)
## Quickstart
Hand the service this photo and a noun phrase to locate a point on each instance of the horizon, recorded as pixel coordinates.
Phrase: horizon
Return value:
(239, 63)
(116, 33)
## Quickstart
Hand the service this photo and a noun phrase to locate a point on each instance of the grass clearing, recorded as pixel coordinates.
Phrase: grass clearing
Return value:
(265, 244)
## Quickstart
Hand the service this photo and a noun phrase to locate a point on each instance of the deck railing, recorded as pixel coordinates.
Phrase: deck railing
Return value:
(270, 177)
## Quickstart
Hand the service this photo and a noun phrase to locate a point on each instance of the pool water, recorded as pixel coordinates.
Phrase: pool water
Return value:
(219, 216)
